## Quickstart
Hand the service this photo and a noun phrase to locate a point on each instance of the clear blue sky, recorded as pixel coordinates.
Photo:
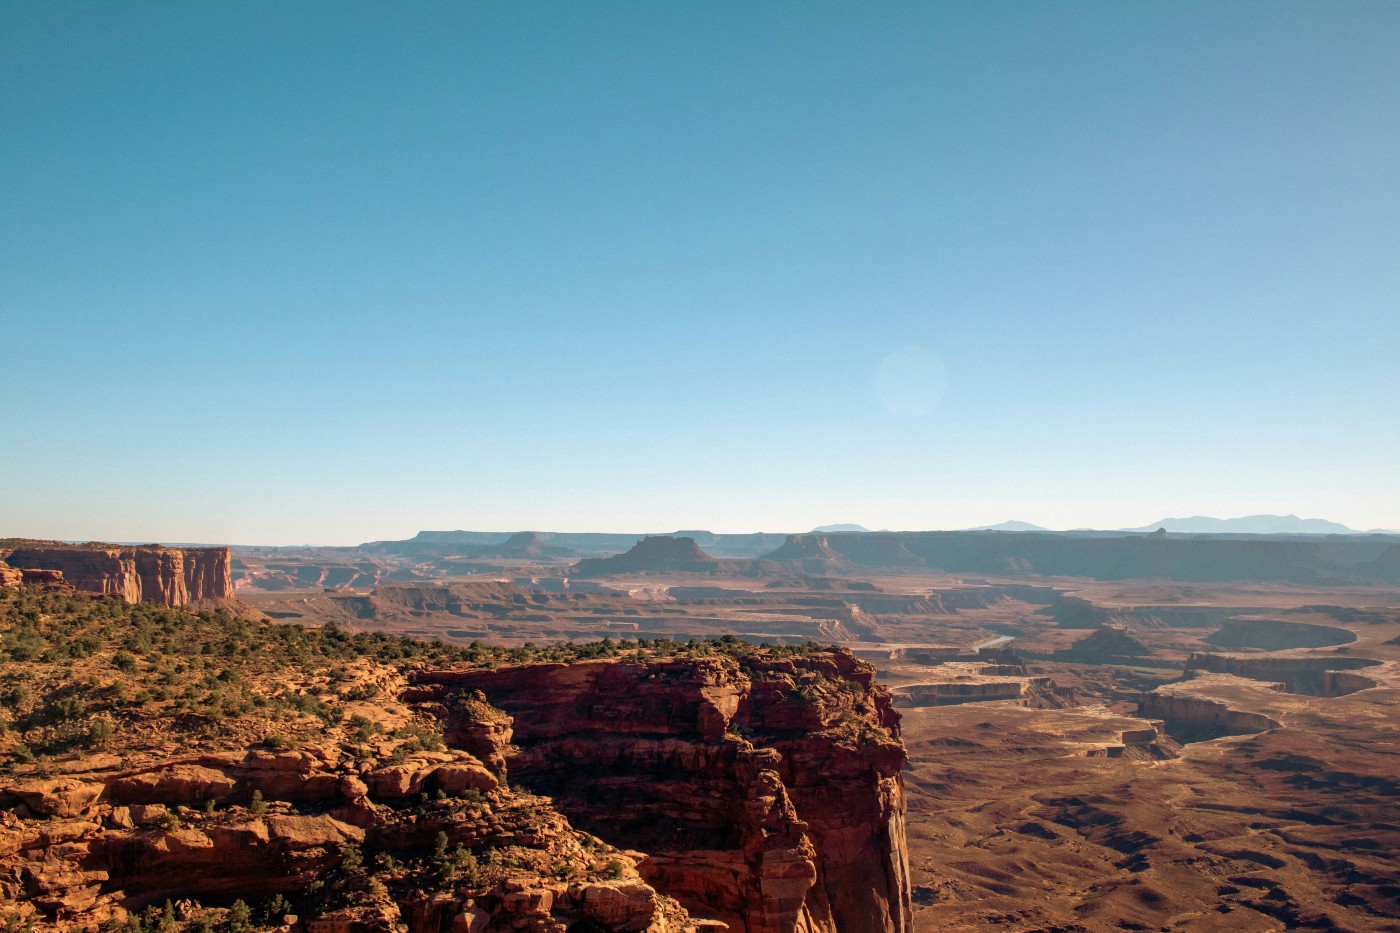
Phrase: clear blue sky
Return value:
(330, 272)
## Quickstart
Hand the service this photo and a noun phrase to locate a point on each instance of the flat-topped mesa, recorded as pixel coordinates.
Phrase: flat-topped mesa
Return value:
(653, 554)
(764, 788)
(1321, 676)
(170, 576)
(812, 553)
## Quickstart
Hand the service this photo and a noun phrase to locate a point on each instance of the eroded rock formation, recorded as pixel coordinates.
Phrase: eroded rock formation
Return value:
(90, 847)
(1194, 718)
(1310, 676)
(171, 576)
(765, 791)
(656, 553)
(763, 785)
(1106, 645)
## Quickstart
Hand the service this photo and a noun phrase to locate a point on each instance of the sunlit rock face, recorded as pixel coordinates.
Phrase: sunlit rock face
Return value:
(170, 576)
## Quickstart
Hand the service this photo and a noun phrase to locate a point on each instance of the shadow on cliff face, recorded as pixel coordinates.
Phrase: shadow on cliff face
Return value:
(766, 790)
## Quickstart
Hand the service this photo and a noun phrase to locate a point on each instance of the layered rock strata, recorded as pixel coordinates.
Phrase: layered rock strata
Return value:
(764, 786)
(1197, 718)
(766, 791)
(1310, 676)
(93, 847)
(170, 576)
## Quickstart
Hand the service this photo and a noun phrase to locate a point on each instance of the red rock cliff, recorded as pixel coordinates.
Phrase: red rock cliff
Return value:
(171, 576)
(766, 791)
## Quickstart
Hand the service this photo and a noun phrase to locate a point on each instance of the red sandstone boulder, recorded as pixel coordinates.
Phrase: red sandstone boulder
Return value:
(459, 777)
(401, 780)
(63, 797)
(305, 832)
(186, 785)
(623, 906)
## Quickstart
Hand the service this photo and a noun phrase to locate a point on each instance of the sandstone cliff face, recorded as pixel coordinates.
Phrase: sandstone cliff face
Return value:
(765, 791)
(170, 576)
(764, 786)
(1310, 676)
(1193, 718)
(953, 694)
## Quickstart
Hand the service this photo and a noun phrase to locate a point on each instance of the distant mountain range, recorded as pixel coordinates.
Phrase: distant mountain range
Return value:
(1208, 525)
(1249, 525)
(500, 544)
(1195, 525)
(1012, 525)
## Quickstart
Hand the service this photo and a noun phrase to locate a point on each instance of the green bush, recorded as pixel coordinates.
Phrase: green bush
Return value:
(240, 918)
(99, 733)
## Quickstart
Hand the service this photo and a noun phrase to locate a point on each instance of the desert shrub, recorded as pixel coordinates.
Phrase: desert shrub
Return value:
(65, 709)
(274, 910)
(351, 860)
(99, 733)
(240, 918)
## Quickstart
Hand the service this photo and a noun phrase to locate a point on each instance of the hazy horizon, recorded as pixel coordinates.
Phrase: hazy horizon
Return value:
(669, 531)
(323, 273)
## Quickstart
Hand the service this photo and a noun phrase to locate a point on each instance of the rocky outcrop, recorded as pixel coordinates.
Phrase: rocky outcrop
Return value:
(526, 545)
(170, 576)
(1309, 676)
(653, 554)
(1106, 645)
(48, 579)
(955, 694)
(766, 791)
(810, 554)
(985, 686)
(91, 848)
(1197, 718)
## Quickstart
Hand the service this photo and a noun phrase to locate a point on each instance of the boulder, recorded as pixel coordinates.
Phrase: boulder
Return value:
(459, 777)
(62, 797)
(181, 785)
(621, 906)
